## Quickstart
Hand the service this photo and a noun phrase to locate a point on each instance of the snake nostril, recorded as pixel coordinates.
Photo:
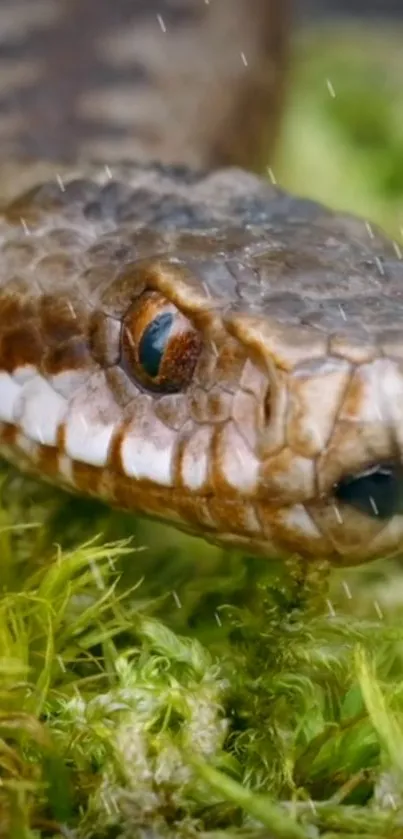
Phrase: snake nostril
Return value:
(377, 492)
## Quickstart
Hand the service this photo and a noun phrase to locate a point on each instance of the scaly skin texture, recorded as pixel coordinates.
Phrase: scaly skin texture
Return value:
(286, 318)
(298, 380)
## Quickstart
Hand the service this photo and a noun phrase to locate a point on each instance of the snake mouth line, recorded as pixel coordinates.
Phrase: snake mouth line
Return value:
(375, 493)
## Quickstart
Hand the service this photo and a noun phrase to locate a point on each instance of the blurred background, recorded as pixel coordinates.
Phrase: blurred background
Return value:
(342, 138)
(359, 8)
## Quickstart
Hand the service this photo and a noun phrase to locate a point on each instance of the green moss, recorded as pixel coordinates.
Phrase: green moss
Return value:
(152, 686)
(286, 721)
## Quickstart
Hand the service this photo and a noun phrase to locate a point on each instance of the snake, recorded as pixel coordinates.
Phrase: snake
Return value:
(179, 337)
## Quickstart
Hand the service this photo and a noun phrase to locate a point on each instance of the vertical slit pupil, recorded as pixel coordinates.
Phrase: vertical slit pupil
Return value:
(153, 342)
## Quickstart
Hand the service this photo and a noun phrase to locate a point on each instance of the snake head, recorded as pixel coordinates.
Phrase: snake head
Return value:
(209, 351)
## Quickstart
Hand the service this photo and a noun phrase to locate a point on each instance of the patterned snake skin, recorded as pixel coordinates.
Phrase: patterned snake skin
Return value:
(189, 343)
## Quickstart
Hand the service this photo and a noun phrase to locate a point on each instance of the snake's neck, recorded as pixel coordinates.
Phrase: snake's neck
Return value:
(195, 82)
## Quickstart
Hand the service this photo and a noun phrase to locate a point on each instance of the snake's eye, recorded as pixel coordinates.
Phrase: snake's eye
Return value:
(377, 492)
(159, 345)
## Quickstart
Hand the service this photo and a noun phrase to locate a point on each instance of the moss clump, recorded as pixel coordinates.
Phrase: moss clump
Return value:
(288, 724)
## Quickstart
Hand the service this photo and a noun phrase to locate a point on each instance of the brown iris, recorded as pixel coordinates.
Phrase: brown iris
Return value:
(159, 345)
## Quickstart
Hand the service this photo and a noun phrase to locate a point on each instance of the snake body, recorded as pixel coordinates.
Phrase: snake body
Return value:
(193, 343)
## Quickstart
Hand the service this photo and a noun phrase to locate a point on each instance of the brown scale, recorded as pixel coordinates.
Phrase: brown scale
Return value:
(20, 346)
